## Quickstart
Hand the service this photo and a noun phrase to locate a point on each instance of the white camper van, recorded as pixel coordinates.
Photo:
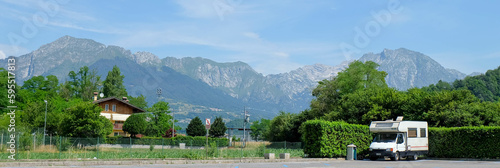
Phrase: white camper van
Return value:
(399, 139)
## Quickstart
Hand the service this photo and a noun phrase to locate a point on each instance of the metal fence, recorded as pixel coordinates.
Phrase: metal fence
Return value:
(35, 146)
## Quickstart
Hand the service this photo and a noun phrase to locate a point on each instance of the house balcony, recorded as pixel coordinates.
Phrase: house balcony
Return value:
(118, 126)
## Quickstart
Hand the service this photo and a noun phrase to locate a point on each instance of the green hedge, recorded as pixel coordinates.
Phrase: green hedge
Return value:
(330, 139)
(465, 142)
(188, 140)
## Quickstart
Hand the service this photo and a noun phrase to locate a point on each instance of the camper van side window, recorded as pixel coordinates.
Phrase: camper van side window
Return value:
(412, 132)
(422, 132)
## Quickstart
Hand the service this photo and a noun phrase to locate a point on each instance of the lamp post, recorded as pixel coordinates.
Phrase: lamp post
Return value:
(173, 122)
(45, 123)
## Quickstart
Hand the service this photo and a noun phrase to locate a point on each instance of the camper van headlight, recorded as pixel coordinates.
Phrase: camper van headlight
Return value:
(388, 149)
(370, 149)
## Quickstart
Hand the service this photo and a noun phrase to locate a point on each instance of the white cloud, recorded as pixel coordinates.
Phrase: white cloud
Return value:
(281, 54)
(9, 50)
(2, 55)
(252, 35)
(73, 26)
(197, 8)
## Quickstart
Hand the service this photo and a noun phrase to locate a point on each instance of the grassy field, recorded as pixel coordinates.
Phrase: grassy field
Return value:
(253, 149)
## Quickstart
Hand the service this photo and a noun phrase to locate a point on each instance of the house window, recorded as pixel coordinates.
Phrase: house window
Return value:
(114, 107)
(106, 107)
(412, 132)
(116, 133)
(422, 132)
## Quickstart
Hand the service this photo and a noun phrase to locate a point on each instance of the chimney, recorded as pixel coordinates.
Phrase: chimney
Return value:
(95, 96)
(125, 99)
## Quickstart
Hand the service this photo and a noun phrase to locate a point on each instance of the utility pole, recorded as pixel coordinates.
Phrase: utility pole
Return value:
(246, 118)
(173, 121)
(45, 123)
(158, 92)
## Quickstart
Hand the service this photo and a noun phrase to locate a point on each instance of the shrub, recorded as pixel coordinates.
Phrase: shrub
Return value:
(135, 124)
(151, 147)
(465, 142)
(112, 139)
(212, 149)
(62, 143)
(188, 140)
(330, 139)
(193, 155)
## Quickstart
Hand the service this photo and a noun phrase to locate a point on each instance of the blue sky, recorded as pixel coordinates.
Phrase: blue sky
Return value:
(272, 36)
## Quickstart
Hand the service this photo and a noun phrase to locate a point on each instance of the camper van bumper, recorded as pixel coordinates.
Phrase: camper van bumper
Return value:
(381, 153)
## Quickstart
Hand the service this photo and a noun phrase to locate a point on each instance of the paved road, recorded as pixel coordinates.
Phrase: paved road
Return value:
(329, 164)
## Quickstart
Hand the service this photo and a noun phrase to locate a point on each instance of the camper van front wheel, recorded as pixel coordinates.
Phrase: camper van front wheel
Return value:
(396, 157)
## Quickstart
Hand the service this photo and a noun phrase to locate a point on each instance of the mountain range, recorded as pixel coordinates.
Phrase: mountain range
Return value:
(204, 88)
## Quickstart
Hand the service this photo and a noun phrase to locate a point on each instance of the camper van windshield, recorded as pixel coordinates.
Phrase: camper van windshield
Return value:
(385, 138)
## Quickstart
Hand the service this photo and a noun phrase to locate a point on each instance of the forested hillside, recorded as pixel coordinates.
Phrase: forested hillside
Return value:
(486, 86)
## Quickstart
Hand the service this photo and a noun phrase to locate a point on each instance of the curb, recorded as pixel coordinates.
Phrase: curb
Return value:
(461, 159)
(67, 163)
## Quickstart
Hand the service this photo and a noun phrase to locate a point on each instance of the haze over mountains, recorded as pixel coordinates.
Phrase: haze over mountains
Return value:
(207, 88)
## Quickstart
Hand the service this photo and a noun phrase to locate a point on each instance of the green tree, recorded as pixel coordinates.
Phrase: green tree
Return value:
(452, 109)
(366, 105)
(135, 124)
(260, 129)
(38, 89)
(196, 127)
(139, 101)
(82, 84)
(281, 127)
(218, 128)
(358, 76)
(113, 85)
(160, 121)
(4, 86)
(84, 120)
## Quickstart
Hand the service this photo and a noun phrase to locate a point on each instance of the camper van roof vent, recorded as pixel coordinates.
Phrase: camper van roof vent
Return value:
(400, 118)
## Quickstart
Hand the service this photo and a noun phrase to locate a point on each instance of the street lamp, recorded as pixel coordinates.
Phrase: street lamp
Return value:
(173, 122)
(45, 124)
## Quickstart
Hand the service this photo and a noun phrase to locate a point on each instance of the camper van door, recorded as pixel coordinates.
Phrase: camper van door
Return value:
(401, 143)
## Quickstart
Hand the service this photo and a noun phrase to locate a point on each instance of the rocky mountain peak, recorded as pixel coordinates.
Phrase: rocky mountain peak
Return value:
(407, 68)
(68, 42)
(148, 58)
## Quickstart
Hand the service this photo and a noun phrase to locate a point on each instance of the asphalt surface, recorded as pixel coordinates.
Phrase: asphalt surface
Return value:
(317, 164)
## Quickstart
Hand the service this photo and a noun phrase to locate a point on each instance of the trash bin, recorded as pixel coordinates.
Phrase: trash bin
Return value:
(351, 152)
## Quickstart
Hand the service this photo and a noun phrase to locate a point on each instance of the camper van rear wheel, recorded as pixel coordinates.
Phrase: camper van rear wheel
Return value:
(415, 156)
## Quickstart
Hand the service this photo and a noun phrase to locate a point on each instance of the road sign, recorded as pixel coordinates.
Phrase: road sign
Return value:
(207, 123)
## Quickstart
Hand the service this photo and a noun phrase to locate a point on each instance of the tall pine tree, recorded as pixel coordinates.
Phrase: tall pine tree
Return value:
(218, 128)
(196, 127)
(113, 85)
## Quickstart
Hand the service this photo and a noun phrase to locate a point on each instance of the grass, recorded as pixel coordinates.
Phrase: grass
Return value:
(253, 150)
